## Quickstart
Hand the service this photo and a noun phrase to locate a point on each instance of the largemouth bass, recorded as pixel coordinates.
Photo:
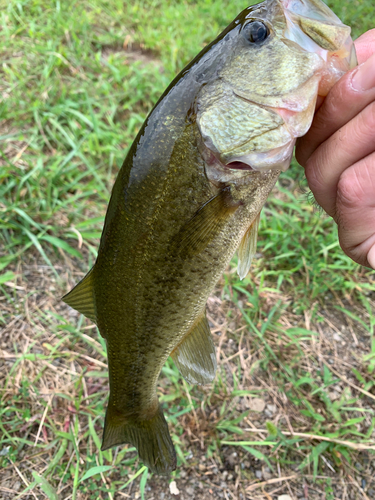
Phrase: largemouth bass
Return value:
(190, 193)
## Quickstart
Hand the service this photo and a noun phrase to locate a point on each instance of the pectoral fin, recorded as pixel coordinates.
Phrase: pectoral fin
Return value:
(81, 298)
(202, 228)
(247, 248)
(195, 356)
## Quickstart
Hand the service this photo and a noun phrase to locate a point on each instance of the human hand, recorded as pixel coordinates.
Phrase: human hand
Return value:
(338, 154)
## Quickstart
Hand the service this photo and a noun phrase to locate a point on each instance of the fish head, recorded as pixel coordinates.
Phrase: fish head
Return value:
(277, 57)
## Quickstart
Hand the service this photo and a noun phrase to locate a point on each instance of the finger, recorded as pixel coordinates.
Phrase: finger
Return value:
(347, 146)
(365, 46)
(356, 88)
(363, 254)
(371, 256)
(355, 211)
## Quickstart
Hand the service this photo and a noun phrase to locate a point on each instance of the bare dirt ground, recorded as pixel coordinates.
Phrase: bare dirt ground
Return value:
(212, 469)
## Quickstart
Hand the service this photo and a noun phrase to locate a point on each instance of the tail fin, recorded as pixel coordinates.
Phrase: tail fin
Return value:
(150, 437)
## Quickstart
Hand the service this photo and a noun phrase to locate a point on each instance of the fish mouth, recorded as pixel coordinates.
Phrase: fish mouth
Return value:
(315, 28)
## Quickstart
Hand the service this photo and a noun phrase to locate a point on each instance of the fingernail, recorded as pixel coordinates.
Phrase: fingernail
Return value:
(364, 78)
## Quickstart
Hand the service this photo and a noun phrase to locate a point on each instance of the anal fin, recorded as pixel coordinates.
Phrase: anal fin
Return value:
(195, 356)
(247, 248)
(81, 298)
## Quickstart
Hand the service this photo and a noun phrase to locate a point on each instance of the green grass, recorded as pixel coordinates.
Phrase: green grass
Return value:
(73, 105)
(77, 81)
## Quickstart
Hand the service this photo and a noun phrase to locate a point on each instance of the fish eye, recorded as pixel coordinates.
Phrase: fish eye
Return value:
(256, 32)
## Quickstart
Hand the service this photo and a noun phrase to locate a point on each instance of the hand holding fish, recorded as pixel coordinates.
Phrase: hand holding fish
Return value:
(338, 154)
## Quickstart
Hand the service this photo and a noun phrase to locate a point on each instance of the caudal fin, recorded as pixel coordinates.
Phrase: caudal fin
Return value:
(150, 437)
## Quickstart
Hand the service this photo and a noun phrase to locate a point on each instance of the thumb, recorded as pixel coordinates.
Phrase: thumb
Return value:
(365, 46)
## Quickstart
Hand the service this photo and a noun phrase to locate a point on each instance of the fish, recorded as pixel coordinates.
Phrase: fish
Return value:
(190, 193)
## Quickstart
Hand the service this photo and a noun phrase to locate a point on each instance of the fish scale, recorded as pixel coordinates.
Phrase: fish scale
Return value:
(190, 193)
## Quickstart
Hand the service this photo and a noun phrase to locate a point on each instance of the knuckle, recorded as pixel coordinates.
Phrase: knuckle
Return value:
(356, 185)
(355, 253)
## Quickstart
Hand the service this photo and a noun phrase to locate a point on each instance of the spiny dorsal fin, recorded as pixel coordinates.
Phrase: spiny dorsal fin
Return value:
(82, 297)
(195, 356)
(247, 248)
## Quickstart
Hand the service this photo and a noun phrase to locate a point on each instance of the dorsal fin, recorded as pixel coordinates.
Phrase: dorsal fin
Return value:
(82, 297)
(195, 356)
(247, 248)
